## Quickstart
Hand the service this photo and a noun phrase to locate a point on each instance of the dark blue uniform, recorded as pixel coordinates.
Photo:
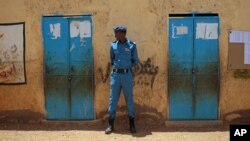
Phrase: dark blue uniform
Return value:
(123, 56)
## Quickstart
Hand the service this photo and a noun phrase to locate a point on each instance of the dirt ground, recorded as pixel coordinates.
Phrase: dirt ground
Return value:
(79, 132)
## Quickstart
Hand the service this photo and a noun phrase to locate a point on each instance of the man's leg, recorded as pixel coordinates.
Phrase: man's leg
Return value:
(127, 85)
(115, 90)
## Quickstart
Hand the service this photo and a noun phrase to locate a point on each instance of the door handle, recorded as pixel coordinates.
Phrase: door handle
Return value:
(193, 70)
(69, 78)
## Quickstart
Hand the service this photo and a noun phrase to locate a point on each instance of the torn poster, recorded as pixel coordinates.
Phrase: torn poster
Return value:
(181, 30)
(82, 29)
(207, 31)
(12, 63)
(55, 30)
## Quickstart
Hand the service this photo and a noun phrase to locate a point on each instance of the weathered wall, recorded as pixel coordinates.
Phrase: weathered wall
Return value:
(147, 22)
(234, 103)
(23, 101)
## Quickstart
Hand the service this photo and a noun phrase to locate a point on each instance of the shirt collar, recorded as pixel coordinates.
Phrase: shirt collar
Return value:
(126, 41)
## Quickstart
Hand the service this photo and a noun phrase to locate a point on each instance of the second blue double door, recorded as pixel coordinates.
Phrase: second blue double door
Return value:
(193, 68)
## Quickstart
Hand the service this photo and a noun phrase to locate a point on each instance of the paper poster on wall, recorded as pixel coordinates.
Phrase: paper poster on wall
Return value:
(80, 28)
(178, 31)
(247, 53)
(242, 37)
(207, 31)
(55, 30)
(181, 30)
(12, 53)
(239, 37)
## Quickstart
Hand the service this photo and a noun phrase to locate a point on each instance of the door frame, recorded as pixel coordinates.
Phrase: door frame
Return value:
(191, 15)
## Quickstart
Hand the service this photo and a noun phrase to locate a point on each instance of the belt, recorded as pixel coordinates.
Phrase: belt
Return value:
(121, 70)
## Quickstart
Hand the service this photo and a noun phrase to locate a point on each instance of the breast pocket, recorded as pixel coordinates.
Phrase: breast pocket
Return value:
(128, 53)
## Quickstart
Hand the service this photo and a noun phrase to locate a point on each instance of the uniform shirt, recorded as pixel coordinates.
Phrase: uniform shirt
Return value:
(123, 55)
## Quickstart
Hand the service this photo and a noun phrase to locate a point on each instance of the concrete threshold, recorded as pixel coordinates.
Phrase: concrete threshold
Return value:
(72, 122)
(196, 123)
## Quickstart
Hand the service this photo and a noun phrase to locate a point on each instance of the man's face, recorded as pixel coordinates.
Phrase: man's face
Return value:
(120, 35)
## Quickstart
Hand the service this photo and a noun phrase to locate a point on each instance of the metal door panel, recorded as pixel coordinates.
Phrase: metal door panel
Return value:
(56, 43)
(206, 97)
(82, 97)
(181, 50)
(206, 64)
(81, 52)
(181, 99)
(57, 98)
(81, 68)
(206, 68)
(180, 68)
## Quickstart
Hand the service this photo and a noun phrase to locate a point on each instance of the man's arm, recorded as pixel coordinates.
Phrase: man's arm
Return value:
(112, 55)
(134, 56)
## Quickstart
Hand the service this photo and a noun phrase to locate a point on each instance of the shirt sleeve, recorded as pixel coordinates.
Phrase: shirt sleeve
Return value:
(134, 56)
(112, 55)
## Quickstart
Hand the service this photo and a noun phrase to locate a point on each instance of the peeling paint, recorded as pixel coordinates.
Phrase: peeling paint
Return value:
(55, 30)
(72, 47)
(173, 31)
(82, 29)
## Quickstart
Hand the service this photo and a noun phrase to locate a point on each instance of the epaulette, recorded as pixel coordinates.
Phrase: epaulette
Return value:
(131, 42)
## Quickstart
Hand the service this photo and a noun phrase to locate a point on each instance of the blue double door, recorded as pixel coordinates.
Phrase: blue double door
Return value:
(68, 60)
(193, 68)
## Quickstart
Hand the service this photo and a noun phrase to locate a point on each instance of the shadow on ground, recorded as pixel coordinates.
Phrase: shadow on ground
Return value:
(142, 130)
(143, 124)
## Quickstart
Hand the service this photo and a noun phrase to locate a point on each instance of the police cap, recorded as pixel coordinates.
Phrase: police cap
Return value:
(120, 28)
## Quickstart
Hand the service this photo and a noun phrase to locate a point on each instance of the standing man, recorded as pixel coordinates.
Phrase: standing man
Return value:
(123, 55)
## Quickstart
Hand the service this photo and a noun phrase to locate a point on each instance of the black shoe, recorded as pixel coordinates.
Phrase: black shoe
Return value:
(110, 127)
(132, 125)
